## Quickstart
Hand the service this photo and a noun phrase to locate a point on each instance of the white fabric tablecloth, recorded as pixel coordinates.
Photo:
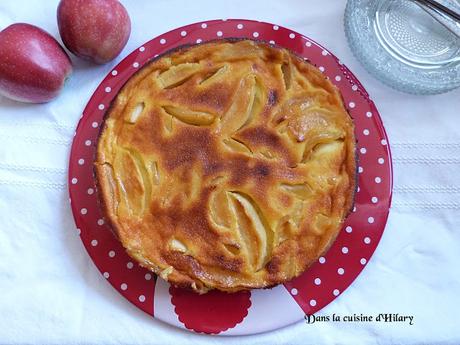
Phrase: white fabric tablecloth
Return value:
(50, 293)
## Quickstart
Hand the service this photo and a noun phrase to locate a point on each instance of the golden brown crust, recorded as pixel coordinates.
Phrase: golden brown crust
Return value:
(227, 165)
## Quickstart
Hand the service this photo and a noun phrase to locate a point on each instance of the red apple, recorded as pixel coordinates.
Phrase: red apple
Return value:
(33, 66)
(95, 30)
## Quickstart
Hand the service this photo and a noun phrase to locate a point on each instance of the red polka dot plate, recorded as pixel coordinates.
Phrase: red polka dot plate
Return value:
(258, 310)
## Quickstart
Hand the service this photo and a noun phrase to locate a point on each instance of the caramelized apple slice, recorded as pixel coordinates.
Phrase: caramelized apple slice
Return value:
(236, 146)
(136, 112)
(219, 209)
(191, 117)
(247, 103)
(254, 230)
(302, 191)
(133, 182)
(177, 75)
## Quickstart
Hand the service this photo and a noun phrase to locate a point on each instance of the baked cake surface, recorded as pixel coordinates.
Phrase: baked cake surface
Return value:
(227, 165)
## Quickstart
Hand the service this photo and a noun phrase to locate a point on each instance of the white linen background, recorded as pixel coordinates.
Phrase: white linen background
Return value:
(50, 292)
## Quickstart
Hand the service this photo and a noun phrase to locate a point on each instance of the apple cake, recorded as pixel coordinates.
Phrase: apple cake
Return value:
(228, 165)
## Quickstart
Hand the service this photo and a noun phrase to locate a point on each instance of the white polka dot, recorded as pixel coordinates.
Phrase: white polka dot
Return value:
(108, 89)
(88, 142)
(141, 298)
(336, 292)
(114, 72)
(204, 25)
(344, 250)
(130, 265)
(363, 261)
(363, 150)
(94, 243)
(183, 33)
(141, 49)
(360, 169)
(83, 211)
(374, 199)
(358, 189)
(106, 275)
(90, 191)
(272, 42)
(378, 180)
(94, 124)
(199, 40)
(370, 220)
(155, 55)
(81, 161)
(219, 33)
(354, 209)
(383, 142)
(369, 114)
(291, 35)
(100, 222)
(276, 27)
(255, 34)
(381, 160)
(351, 104)
(312, 302)
(162, 41)
(101, 107)
(111, 253)
(148, 276)
(341, 271)
(294, 291)
(317, 281)
(308, 44)
(349, 229)
(321, 68)
(354, 87)
(366, 132)
(324, 53)
(123, 286)
(367, 240)
(239, 26)
(338, 78)
(136, 64)
(322, 259)
(78, 231)
(74, 180)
